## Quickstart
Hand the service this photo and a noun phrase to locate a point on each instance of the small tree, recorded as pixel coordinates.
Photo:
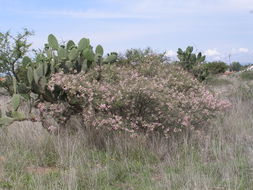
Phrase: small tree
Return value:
(12, 52)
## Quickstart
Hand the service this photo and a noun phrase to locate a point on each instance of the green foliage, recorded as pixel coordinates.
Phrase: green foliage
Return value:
(70, 44)
(235, 66)
(195, 63)
(13, 50)
(7, 84)
(83, 44)
(22, 75)
(73, 54)
(15, 101)
(110, 58)
(88, 54)
(13, 60)
(200, 71)
(99, 50)
(14, 81)
(62, 53)
(204, 70)
(26, 60)
(137, 56)
(5, 121)
(52, 42)
(55, 58)
(216, 67)
(187, 59)
(9, 117)
(14, 115)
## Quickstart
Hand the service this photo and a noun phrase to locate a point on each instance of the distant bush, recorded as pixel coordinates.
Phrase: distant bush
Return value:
(143, 98)
(235, 66)
(136, 56)
(247, 75)
(204, 70)
(216, 67)
(195, 64)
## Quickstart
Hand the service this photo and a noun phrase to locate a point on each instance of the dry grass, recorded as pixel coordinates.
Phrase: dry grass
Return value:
(218, 157)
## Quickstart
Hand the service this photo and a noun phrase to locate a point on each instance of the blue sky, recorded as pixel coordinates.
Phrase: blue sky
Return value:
(218, 28)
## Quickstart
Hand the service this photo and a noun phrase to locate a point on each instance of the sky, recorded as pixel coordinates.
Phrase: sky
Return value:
(218, 28)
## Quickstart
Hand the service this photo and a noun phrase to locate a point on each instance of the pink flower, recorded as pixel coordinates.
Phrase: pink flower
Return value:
(186, 121)
(52, 128)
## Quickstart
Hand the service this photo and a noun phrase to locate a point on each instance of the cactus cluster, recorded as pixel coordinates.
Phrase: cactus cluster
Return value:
(8, 117)
(72, 57)
(189, 59)
(37, 76)
(68, 58)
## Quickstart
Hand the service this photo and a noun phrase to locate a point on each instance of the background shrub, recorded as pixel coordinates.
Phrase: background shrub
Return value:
(216, 67)
(136, 56)
(235, 66)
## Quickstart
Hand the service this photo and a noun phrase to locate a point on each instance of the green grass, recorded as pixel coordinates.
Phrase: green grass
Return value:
(215, 81)
(247, 75)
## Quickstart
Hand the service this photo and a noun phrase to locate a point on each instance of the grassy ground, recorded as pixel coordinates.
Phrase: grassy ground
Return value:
(218, 157)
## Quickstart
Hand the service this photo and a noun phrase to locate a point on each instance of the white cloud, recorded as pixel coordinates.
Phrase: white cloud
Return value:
(171, 53)
(212, 52)
(243, 50)
(217, 58)
(239, 50)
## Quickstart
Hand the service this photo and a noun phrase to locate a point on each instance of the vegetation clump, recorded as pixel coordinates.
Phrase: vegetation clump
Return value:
(13, 57)
(235, 66)
(143, 98)
(150, 96)
(195, 64)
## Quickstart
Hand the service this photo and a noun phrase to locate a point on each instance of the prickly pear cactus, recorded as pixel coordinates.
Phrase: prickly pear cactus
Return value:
(69, 58)
(188, 59)
(7, 118)
(52, 42)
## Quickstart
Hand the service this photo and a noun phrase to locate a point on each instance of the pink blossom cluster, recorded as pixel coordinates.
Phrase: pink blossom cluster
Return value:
(142, 98)
(57, 111)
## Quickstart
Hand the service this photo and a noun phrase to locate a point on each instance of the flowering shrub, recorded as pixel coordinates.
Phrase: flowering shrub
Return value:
(135, 56)
(142, 98)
